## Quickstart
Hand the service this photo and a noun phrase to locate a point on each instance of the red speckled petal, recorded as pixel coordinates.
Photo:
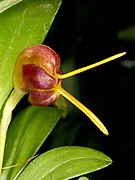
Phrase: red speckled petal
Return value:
(36, 78)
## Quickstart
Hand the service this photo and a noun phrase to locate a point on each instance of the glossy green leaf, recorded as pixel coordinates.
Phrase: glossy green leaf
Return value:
(26, 134)
(5, 4)
(22, 25)
(65, 163)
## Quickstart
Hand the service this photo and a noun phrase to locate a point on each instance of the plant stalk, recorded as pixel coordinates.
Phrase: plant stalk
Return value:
(15, 96)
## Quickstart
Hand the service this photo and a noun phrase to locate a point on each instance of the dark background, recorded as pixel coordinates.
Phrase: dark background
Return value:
(84, 32)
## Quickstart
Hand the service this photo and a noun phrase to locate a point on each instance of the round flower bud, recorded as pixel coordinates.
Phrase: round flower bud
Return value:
(34, 73)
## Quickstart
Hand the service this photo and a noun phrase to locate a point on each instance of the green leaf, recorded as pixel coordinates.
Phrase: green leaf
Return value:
(5, 4)
(65, 163)
(22, 25)
(26, 134)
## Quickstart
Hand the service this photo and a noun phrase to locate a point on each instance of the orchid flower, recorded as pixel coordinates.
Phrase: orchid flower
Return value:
(37, 72)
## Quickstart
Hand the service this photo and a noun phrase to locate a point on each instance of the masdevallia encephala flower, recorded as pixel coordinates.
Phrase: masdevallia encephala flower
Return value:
(37, 72)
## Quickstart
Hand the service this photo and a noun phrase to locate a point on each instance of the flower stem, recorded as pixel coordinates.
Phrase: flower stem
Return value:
(84, 109)
(15, 96)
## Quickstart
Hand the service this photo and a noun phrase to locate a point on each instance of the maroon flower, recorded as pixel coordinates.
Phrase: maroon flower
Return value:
(38, 73)
(35, 73)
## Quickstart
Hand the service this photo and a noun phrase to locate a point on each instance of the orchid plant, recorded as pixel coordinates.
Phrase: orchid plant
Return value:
(37, 72)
